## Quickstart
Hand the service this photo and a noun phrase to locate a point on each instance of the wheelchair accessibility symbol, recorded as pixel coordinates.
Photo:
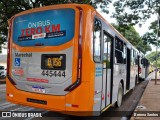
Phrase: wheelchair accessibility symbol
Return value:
(17, 62)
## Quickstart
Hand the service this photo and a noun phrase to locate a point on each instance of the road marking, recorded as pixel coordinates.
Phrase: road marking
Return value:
(26, 108)
(2, 85)
(1, 90)
(6, 105)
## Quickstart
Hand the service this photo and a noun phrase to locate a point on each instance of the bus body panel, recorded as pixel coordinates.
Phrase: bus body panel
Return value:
(20, 97)
(142, 67)
(54, 103)
(119, 74)
(134, 68)
(29, 74)
(98, 91)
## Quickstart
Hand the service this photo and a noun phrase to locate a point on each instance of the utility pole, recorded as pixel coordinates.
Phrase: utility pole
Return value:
(158, 9)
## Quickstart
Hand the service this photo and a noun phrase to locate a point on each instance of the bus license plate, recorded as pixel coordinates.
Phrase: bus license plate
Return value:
(38, 89)
(53, 61)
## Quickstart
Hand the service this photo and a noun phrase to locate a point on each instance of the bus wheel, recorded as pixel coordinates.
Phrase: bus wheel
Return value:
(119, 96)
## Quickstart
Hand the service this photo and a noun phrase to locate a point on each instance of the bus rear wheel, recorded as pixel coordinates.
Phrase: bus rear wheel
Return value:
(119, 95)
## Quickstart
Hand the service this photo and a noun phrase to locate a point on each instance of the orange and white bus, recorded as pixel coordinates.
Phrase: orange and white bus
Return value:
(143, 65)
(68, 58)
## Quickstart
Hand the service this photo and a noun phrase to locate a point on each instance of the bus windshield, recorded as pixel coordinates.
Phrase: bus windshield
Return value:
(48, 28)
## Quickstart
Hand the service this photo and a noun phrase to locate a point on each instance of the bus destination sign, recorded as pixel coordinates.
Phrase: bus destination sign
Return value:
(53, 61)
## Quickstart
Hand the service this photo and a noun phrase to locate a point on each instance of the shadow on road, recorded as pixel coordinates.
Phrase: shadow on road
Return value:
(130, 101)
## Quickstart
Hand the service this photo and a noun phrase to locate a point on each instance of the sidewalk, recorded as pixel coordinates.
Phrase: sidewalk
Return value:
(149, 104)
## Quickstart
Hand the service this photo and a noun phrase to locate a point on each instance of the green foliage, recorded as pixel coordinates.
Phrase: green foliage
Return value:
(135, 11)
(131, 34)
(152, 58)
(8, 8)
(131, 12)
(151, 36)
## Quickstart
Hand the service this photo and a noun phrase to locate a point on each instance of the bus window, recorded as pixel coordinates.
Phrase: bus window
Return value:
(118, 51)
(143, 61)
(106, 51)
(124, 53)
(133, 53)
(136, 58)
(132, 56)
(97, 41)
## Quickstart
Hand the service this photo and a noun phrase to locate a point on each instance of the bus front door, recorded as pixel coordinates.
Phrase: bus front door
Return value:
(106, 82)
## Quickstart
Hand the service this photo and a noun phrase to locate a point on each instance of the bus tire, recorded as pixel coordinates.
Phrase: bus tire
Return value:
(119, 95)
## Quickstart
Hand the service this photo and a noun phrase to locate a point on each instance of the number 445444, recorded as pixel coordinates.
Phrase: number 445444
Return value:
(51, 73)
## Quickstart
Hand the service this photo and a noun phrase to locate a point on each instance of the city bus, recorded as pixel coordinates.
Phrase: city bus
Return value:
(68, 58)
(151, 68)
(143, 67)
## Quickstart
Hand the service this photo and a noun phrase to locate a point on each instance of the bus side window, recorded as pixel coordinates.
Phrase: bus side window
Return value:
(124, 53)
(118, 51)
(132, 56)
(136, 58)
(97, 41)
(106, 50)
(119, 56)
(136, 61)
(142, 61)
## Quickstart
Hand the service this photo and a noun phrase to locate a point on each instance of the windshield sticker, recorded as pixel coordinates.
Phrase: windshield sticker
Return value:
(37, 80)
(17, 62)
(50, 31)
(98, 71)
(18, 72)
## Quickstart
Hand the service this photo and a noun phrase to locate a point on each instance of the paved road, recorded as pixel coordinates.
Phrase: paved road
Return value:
(2, 81)
(130, 101)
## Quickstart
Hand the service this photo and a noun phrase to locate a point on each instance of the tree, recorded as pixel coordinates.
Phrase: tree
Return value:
(133, 37)
(152, 58)
(132, 12)
(135, 11)
(8, 8)
(151, 36)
